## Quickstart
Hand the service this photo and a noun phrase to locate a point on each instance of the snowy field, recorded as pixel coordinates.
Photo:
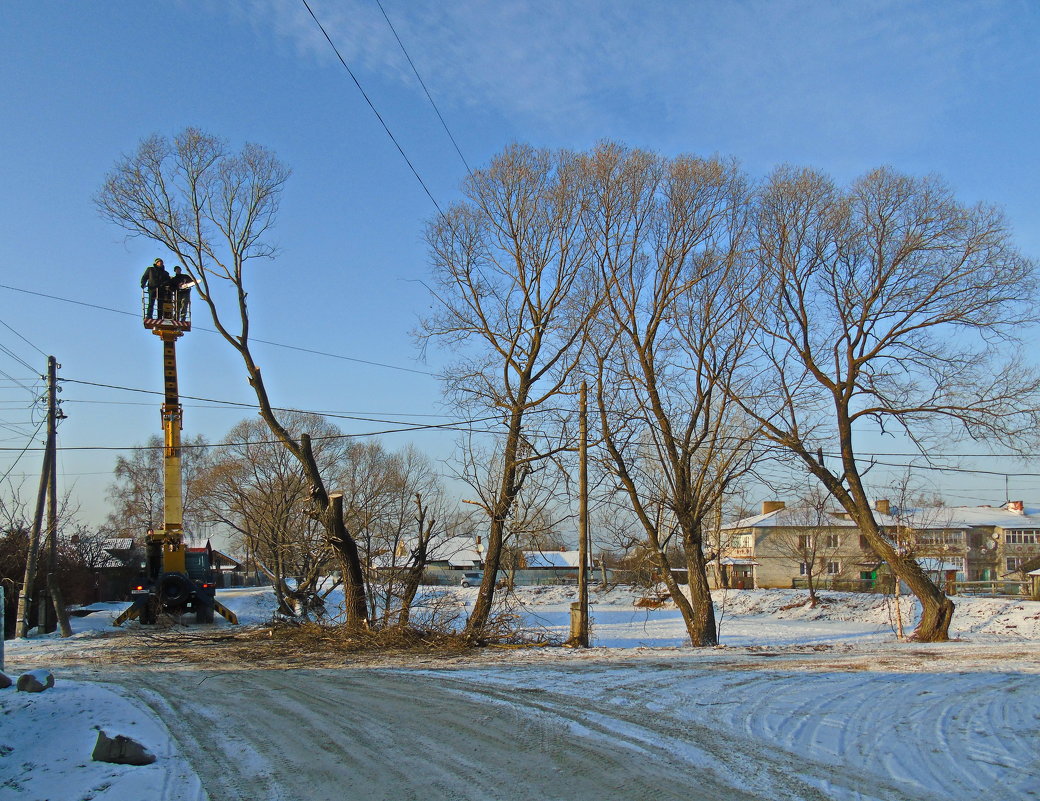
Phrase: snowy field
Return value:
(797, 703)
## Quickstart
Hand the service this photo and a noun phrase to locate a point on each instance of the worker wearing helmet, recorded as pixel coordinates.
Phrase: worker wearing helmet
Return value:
(155, 278)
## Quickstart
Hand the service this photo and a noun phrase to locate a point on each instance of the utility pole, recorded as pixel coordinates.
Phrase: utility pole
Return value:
(57, 616)
(48, 488)
(29, 579)
(45, 617)
(580, 610)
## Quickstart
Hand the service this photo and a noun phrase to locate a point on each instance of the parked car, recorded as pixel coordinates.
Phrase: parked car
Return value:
(471, 579)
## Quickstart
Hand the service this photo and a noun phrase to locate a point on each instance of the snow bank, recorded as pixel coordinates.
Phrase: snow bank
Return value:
(47, 739)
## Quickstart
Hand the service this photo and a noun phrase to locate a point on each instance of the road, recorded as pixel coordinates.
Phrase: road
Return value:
(395, 735)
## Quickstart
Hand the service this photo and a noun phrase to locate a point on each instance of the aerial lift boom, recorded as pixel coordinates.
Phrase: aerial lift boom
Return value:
(175, 578)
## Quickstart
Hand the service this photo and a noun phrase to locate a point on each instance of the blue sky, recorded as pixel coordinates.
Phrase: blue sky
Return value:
(945, 87)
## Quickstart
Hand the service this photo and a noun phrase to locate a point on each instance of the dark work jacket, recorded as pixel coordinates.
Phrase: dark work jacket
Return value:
(154, 277)
(178, 282)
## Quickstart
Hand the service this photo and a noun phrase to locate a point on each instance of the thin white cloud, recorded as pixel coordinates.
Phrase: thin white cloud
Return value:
(885, 66)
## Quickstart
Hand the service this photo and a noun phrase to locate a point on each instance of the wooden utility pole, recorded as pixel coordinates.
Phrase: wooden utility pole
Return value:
(54, 414)
(580, 610)
(29, 579)
(48, 489)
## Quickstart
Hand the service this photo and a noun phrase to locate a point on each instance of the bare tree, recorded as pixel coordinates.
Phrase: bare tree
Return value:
(396, 505)
(887, 303)
(666, 351)
(135, 495)
(810, 539)
(214, 208)
(511, 296)
(254, 487)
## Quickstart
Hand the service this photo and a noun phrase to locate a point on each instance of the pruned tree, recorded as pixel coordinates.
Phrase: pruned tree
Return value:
(887, 303)
(254, 487)
(511, 289)
(667, 349)
(397, 508)
(214, 209)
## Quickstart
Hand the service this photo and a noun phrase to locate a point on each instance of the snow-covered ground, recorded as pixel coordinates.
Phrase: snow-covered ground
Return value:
(797, 703)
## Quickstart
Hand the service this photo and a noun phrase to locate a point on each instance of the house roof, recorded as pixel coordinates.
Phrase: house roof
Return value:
(548, 559)
(792, 517)
(458, 552)
(934, 517)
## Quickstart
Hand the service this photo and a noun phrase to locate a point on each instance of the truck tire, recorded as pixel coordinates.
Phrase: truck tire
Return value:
(174, 590)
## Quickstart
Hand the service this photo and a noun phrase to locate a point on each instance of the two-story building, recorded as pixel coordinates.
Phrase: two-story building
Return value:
(780, 546)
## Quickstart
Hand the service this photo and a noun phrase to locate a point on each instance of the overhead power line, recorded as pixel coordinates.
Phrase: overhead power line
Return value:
(26, 341)
(214, 331)
(422, 83)
(247, 405)
(372, 106)
(18, 458)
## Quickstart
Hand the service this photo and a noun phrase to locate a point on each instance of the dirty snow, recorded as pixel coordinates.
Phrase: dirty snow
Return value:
(798, 703)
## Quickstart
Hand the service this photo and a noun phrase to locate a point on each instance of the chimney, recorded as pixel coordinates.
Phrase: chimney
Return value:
(883, 505)
(478, 539)
(772, 506)
(1018, 507)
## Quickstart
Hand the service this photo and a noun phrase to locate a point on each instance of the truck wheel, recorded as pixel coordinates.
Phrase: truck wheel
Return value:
(174, 589)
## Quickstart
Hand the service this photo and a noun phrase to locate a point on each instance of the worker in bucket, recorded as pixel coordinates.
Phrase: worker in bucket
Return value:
(181, 283)
(154, 280)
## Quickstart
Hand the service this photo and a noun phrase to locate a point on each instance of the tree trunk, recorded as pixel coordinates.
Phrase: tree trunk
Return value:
(478, 619)
(354, 602)
(701, 622)
(508, 490)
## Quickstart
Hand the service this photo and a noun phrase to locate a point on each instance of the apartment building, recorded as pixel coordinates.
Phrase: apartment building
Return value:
(783, 546)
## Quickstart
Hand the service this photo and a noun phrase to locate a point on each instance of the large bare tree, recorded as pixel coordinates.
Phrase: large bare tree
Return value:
(887, 303)
(667, 349)
(214, 208)
(510, 286)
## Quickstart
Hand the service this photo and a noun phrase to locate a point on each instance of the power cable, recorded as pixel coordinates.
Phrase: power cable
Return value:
(422, 83)
(26, 341)
(215, 405)
(428, 427)
(18, 458)
(245, 405)
(15, 356)
(214, 331)
(371, 105)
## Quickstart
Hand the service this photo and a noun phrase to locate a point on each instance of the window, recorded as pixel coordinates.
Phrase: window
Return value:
(940, 537)
(805, 542)
(832, 540)
(803, 569)
(833, 568)
(1020, 536)
(1014, 563)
